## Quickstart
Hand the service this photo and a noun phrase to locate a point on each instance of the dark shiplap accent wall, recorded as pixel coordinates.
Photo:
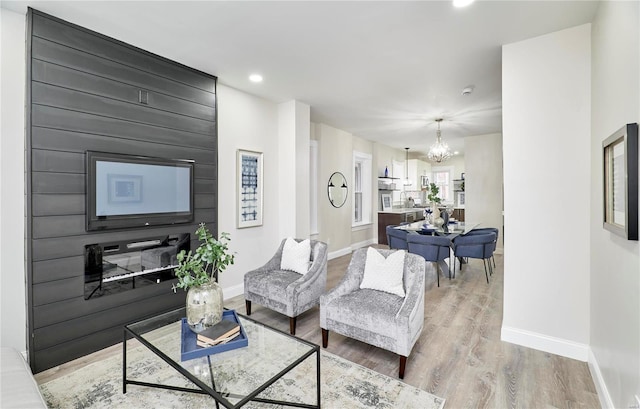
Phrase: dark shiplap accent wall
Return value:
(82, 94)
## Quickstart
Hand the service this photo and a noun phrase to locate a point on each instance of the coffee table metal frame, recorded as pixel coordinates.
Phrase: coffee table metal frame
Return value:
(211, 389)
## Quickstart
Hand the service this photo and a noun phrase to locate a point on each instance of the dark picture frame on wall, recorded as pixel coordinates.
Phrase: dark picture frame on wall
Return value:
(620, 177)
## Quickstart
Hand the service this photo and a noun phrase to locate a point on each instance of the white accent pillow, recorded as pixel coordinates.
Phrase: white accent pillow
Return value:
(384, 274)
(295, 256)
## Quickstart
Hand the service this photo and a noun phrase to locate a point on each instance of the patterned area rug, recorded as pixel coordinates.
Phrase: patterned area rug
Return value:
(344, 385)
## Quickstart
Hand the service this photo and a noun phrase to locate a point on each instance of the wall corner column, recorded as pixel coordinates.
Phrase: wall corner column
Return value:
(294, 134)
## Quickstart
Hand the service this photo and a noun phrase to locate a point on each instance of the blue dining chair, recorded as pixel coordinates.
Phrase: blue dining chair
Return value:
(485, 230)
(478, 246)
(396, 238)
(432, 248)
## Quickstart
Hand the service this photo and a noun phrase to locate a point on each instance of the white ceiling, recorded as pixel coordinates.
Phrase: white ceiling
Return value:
(380, 70)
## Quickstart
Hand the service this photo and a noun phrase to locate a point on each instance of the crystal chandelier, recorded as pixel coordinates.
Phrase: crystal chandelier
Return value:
(439, 151)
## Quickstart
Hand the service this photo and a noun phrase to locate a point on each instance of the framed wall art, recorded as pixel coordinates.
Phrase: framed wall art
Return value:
(620, 176)
(387, 203)
(424, 182)
(249, 189)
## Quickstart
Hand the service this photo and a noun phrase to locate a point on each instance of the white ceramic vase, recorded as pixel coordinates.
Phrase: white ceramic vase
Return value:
(437, 220)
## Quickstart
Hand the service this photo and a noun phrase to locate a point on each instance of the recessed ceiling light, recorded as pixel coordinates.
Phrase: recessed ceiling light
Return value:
(462, 3)
(255, 78)
(456, 152)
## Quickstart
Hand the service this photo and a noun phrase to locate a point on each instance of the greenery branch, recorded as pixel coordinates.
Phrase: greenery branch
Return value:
(433, 193)
(209, 259)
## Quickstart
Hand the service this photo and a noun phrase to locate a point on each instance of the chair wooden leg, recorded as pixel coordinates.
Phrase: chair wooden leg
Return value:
(325, 337)
(292, 325)
(403, 365)
(247, 305)
(437, 264)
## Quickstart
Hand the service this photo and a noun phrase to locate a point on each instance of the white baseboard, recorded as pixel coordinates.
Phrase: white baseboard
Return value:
(233, 291)
(349, 250)
(541, 342)
(598, 380)
(339, 253)
(362, 244)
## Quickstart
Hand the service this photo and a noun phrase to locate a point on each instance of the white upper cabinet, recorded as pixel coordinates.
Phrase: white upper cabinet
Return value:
(417, 169)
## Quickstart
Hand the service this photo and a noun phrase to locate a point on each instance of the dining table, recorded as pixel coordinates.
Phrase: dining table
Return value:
(452, 230)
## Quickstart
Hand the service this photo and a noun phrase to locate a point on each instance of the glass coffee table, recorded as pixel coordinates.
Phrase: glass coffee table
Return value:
(233, 378)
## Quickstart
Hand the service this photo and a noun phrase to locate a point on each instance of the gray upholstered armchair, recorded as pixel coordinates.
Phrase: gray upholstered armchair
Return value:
(376, 317)
(285, 291)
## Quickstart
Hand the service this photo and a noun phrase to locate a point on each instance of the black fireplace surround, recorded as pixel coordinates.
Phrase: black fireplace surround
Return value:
(89, 92)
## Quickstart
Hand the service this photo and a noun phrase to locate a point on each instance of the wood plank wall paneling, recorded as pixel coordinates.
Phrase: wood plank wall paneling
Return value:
(49, 73)
(66, 56)
(55, 139)
(83, 94)
(93, 43)
(74, 121)
(72, 349)
(72, 308)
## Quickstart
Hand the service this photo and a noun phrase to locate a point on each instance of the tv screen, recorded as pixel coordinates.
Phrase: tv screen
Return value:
(125, 191)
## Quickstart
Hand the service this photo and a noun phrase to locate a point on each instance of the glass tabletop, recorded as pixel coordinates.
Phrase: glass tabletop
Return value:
(233, 374)
(457, 228)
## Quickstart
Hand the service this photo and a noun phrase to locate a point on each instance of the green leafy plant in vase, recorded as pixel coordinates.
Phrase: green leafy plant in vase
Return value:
(435, 201)
(433, 193)
(197, 273)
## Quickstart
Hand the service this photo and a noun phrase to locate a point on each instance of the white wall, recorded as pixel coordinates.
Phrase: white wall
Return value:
(294, 127)
(546, 145)
(247, 122)
(336, 155)
(12, 217)
(483, 181)
(615, 262)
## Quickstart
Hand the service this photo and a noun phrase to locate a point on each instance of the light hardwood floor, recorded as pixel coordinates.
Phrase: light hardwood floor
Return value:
(459, 355)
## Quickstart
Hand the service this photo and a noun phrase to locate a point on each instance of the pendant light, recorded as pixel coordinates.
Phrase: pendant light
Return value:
(439, 151)
(406, 169)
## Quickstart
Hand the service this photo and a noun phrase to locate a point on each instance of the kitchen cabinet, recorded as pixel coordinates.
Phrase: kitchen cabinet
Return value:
(395, 218)
(416, 169)
(458, 214)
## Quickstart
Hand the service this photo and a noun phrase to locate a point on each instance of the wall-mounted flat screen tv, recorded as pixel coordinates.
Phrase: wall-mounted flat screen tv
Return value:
(126, 191)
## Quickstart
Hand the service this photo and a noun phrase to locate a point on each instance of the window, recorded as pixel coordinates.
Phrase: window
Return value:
(357, 192)
(441, 176)
(361, 188)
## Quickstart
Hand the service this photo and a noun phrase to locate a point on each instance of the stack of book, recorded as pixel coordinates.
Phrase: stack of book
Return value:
(221, 333)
